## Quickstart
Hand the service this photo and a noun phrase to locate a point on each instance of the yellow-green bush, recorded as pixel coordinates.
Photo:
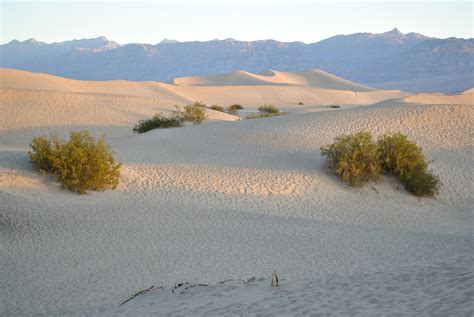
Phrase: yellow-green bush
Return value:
(270, 109)
(217, 108)
(233, 109)
(404, 159)
(354, 158)
(357, 159)
(159, 121)
(198, 103)
(80, 164)
(420, 182)
(194, 113)
(399, 155)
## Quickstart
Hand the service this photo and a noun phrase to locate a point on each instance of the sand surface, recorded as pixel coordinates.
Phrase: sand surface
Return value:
(231, 200)
(466, 98)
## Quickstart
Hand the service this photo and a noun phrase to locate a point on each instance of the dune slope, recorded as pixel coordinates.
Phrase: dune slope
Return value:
(281, 89)
(311, 78)
(233, 200)
(466, 98)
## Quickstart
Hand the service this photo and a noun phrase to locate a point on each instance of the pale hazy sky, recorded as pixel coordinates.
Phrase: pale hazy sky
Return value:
(298, 20)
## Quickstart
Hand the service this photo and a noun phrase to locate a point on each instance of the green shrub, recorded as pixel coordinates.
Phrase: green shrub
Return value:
(420, 182)
(403, 158)
(398, 155)
(233, 109)
(334, 106)
(43, 150)
(80, 164)
(354, 158)
(159, 121)
(301, 103)
(270, 109)
(194, 113)
(217, 108)
(199, 104)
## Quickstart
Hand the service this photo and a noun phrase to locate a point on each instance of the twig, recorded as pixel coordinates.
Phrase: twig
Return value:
(139, 293)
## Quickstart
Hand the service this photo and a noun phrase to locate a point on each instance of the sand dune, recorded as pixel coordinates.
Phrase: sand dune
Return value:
(469, 91)
(286, 98)
(13, 78)
(231, 199)
(29, 112)
(466, 98)
(310, 78)
(287, 89)
(433, 287)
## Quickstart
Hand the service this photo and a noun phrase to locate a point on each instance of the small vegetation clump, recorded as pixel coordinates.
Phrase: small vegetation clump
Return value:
(399, 155)
(199, 104)
(356, 158)
(217, 108)
(265, 111)
(270, 109)
(404, 159)
(233, 109)
(420, 182)
(194, 113)
(159, 121)
(80, 164)
(334, 106)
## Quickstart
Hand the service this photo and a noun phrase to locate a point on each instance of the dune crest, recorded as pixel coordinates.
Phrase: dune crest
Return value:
(465, 98)
(314, 78)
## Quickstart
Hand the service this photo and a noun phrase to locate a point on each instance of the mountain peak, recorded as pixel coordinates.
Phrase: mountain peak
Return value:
(168, 41)
(395, 31)
(14, 42)
(32, 41)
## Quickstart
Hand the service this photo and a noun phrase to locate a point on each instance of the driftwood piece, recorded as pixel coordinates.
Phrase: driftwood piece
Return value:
(274, 279)
(139, 293)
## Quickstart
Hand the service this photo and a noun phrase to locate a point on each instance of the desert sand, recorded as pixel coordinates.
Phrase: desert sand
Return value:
(228, 202)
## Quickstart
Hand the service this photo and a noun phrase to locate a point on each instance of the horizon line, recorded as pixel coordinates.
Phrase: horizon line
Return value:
(396, 29)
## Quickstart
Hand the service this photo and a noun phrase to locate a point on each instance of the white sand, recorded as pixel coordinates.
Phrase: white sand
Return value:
(224, 200)
(416, 289)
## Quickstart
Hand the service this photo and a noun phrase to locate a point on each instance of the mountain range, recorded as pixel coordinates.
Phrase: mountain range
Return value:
(391, 60)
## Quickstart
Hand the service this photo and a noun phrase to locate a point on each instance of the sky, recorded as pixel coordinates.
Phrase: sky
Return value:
(297, 20)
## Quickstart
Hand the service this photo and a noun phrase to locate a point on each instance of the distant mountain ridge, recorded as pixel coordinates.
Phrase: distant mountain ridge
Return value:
(390, 60)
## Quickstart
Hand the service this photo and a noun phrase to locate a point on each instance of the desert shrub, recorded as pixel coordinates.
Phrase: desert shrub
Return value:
(271, 109)
(43, 151)
(199, 104)
(80, 164)
(354, 158)
(404, 158)
(301, 103)
(420, 182)
(159, 121)
(398, 155)
(233, 109)
(357, 159)
(334, 106)
(193, 113)
(217, 108)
